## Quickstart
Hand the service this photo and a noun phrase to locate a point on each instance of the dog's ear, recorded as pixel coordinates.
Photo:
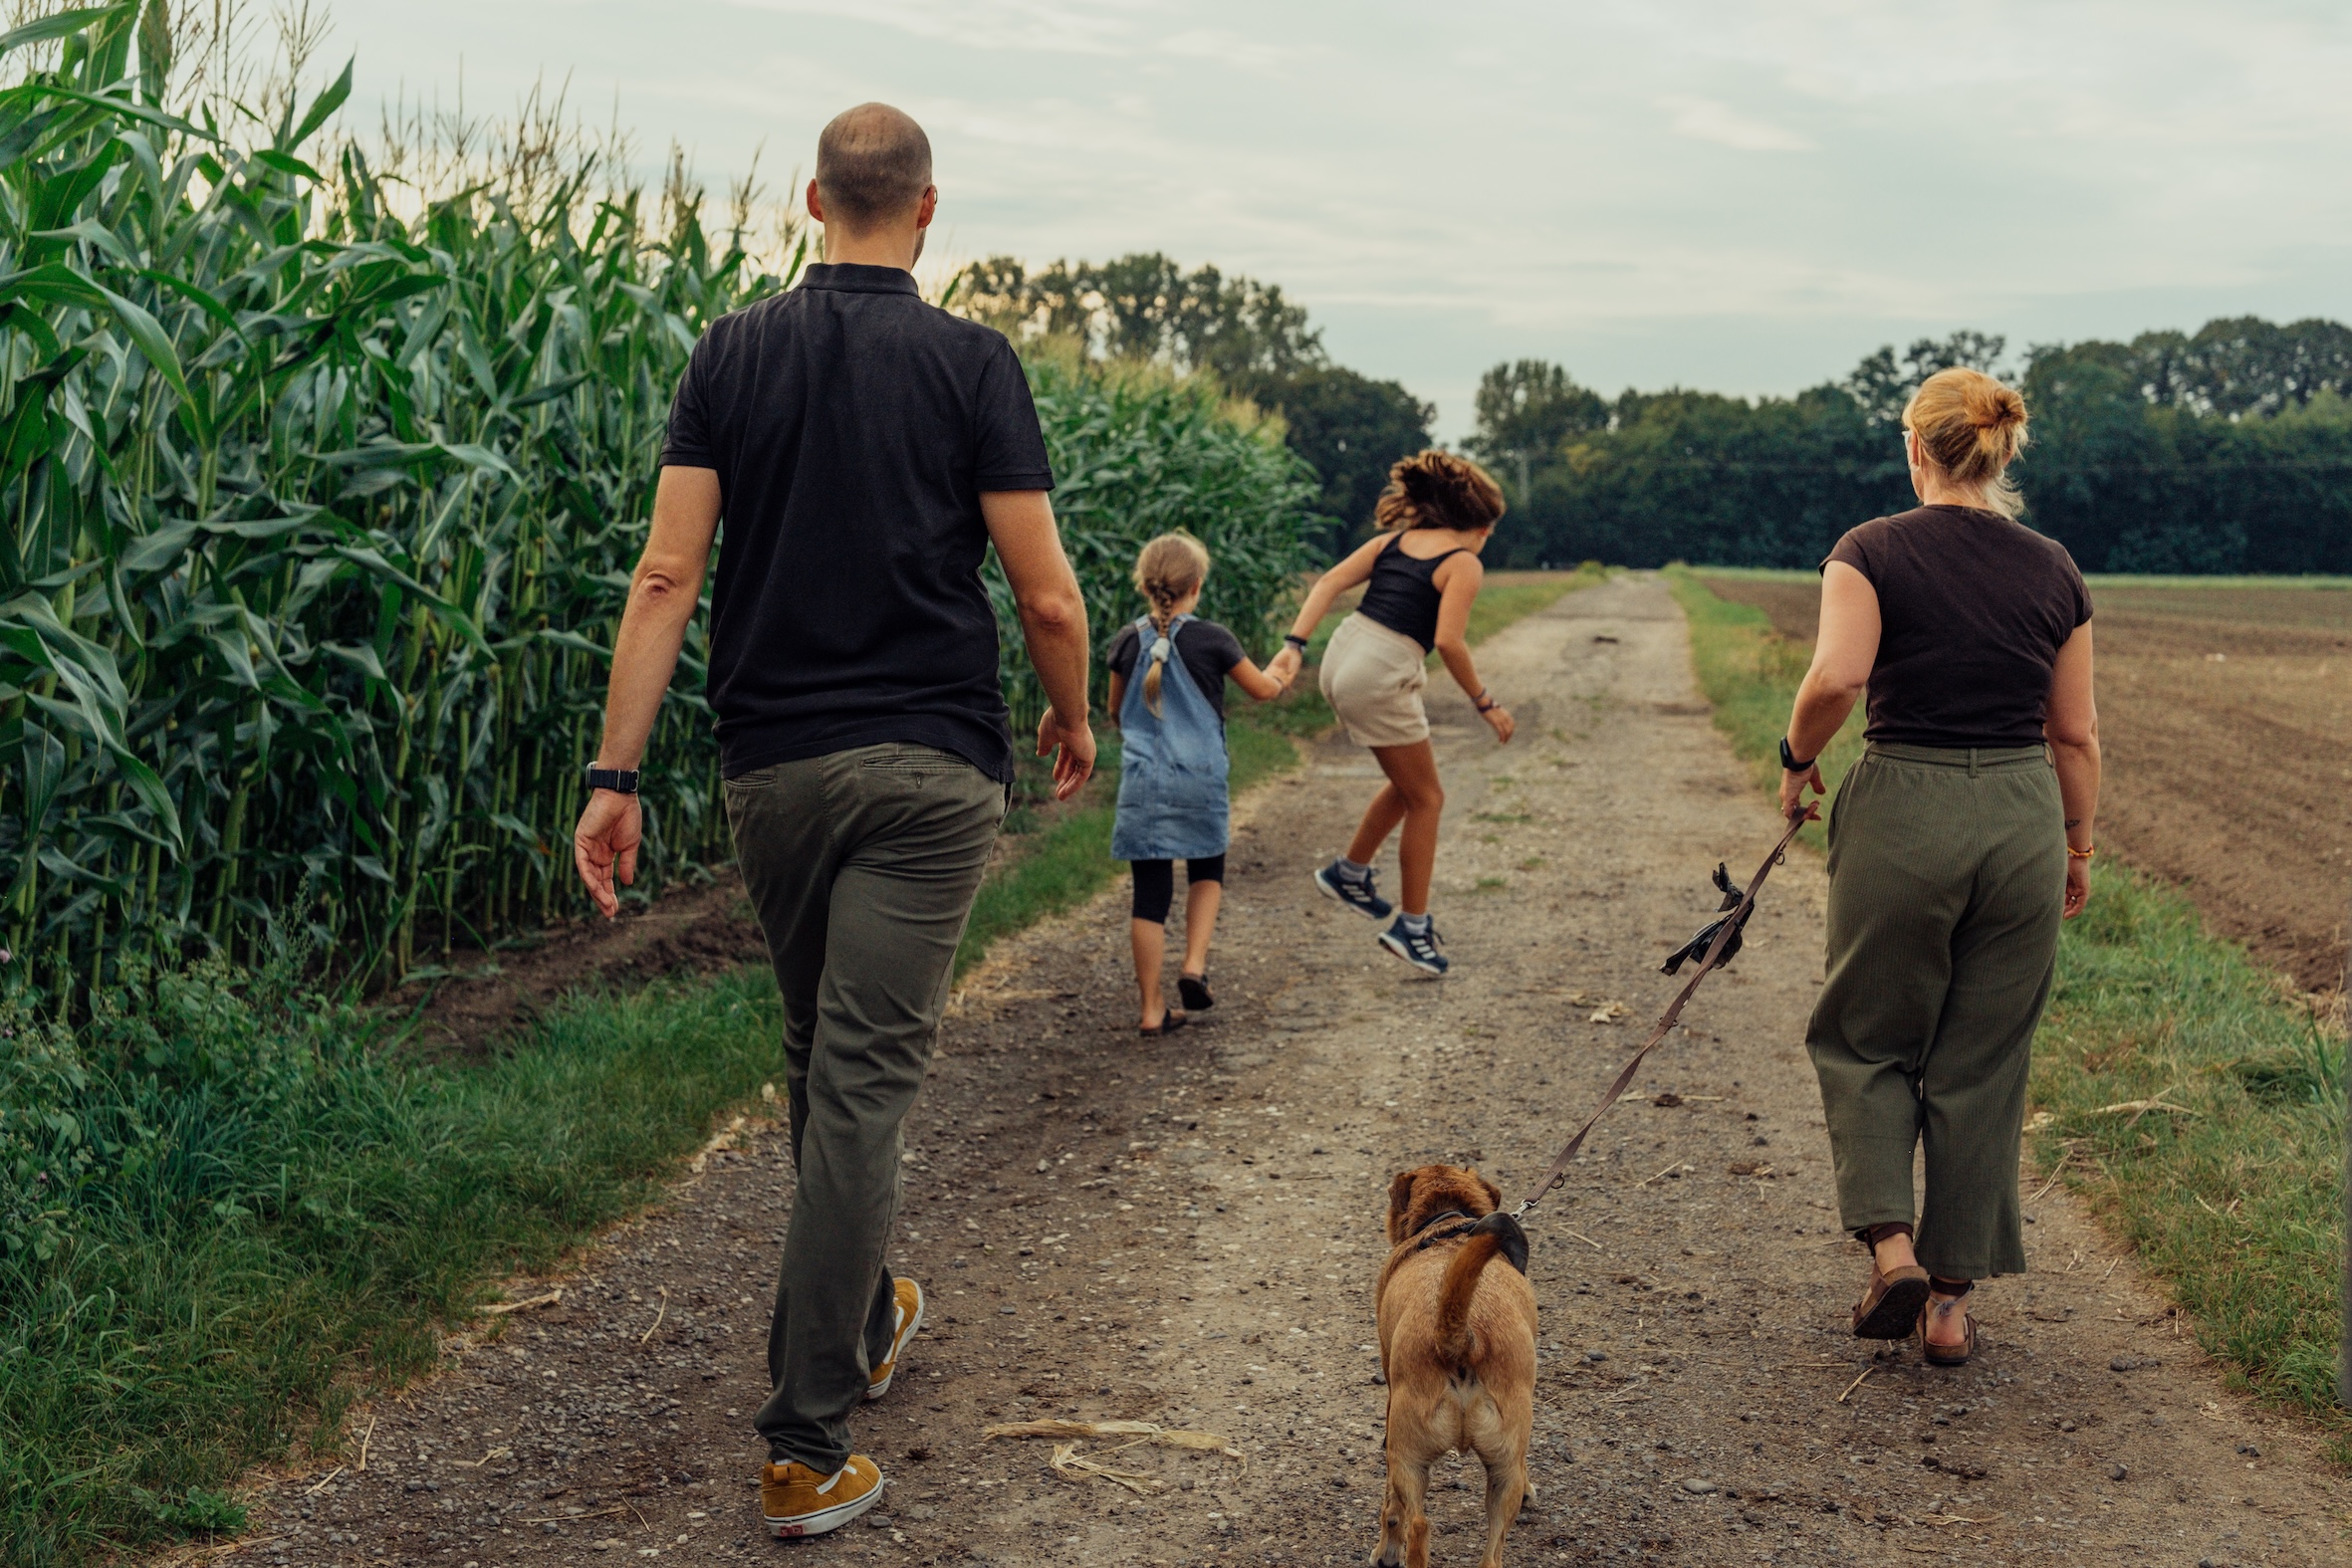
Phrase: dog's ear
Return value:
(1400, 1199)
(1494, 1193)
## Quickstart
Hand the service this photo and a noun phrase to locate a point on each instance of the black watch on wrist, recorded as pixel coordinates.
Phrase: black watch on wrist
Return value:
(1789, 762)
(621, 781)
(1295, 641)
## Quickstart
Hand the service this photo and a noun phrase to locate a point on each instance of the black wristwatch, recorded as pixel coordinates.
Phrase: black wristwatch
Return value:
(1789, 762)
(621, 781)
(1294, 640)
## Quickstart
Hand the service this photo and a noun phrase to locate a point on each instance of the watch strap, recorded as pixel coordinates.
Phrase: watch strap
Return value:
(1789, 762)
(621, 781)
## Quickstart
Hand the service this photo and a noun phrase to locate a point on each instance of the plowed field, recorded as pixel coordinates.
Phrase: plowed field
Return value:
(2226, 718)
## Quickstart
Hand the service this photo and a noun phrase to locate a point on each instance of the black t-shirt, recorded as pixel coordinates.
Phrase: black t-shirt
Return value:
(853, 428)
(1973, 609)
(1208, 650)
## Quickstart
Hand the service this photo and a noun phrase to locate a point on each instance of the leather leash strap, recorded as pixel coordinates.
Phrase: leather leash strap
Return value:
(1667, 1019)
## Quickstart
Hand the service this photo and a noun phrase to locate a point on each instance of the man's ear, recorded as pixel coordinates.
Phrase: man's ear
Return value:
(815, 204)
(1400, 1197)
(926, 208)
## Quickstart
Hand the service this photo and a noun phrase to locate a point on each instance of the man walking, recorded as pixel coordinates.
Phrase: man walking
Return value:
(865, 448)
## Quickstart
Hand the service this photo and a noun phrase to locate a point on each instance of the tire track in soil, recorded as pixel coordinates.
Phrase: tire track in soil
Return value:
(1187, 1231)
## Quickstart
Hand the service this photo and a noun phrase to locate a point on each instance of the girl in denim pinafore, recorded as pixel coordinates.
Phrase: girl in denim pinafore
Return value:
(1167, 687)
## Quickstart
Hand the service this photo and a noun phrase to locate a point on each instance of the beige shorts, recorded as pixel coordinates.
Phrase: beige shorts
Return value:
(1373, 678)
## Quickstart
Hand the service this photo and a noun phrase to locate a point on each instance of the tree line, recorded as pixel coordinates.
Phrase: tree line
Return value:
(1256, 343)
(2227, 450)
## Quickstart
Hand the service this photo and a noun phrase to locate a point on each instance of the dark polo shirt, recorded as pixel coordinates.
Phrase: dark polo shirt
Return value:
(854, 429)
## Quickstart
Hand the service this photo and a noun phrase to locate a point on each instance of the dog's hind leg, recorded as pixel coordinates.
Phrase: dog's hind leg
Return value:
(1404, 1520)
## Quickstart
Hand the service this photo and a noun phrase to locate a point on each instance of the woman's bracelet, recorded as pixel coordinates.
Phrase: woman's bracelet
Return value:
(2081, 854)
(1481, 703)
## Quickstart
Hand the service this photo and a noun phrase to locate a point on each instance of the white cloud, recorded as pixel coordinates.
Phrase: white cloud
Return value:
(1704, 119)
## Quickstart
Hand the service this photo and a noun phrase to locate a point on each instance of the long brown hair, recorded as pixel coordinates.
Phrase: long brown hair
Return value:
(1972, 427)
(1435, 489)
(1168, 570)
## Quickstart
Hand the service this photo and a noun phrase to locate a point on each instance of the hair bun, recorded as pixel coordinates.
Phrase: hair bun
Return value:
(1435, 489)
(1992, 406)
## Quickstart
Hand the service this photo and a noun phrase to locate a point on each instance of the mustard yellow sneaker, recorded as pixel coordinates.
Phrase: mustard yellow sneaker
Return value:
(910, 1318)
(797, 1501)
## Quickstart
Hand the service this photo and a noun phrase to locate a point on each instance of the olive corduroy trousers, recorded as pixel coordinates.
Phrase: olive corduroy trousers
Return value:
(1946, 876)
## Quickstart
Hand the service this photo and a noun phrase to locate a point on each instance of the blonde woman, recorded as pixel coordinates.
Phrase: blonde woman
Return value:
(1172, 771)
(1957, 844)
(1420, 579)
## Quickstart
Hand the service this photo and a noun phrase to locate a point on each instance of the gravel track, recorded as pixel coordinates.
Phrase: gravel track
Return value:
(1186, 1232)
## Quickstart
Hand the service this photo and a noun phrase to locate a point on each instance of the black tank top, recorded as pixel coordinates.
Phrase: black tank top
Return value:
(1401, 597)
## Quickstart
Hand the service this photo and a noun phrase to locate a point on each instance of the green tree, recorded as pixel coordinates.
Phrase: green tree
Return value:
(1526, 409)
(1349, 428)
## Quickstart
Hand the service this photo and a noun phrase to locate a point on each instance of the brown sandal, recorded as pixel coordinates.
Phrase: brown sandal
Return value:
(1892, 1307)
(1935, 1355)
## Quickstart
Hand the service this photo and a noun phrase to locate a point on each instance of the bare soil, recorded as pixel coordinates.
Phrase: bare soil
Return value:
(2226, 718)
(1186, 1231)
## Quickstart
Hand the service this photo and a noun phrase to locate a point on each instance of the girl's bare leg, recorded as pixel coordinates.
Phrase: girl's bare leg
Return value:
(1419, 801)
(1151, 941)
(1380, 819)
(1201, 901)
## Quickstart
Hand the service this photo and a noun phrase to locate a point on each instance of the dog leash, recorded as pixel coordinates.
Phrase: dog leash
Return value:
(1727, 930)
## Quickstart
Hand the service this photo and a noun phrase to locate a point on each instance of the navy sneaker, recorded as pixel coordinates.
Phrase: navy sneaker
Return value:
(1357, 895)
(1417, 948)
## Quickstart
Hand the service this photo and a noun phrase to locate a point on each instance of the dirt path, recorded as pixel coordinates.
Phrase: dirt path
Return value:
(1187, 1233)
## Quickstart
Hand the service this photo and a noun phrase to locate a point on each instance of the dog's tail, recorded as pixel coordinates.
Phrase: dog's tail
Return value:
(1455, 1341)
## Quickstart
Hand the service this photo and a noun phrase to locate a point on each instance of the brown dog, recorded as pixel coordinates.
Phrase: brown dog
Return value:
(1458, 1345)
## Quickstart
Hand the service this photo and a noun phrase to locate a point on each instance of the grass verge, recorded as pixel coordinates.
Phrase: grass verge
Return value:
(2181, 1089)
(224, 1206)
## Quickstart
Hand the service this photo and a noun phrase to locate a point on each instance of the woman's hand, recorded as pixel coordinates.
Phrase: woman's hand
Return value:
(1498, 720)
(1285, 665)
(1793, 786)
(2078, 885)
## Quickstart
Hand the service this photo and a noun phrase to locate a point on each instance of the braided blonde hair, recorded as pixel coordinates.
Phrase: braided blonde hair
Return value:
(1168, 570)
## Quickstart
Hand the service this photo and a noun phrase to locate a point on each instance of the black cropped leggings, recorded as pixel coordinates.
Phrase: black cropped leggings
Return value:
(1155, 884)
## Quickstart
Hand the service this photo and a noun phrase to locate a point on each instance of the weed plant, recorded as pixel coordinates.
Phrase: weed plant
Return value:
(2181, 1089)
(225, 1209)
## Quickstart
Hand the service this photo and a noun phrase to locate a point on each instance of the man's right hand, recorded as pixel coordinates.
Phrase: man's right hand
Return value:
(1070, 742)
(605, 844)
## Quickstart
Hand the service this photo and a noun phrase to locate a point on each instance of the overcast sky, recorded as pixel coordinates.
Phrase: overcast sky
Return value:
(1743, 195)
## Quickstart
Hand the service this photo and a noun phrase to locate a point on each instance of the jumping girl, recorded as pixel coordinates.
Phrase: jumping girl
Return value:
(1172, 793)
(1420, 579)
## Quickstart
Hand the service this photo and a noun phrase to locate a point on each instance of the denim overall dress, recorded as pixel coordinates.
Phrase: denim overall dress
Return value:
(1172, 765)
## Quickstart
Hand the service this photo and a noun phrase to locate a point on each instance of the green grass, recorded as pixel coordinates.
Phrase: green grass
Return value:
(2234, 1200)
(1750, 674)
(228, 1208)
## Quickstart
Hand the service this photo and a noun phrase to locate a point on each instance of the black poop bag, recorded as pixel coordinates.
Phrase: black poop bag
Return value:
(1697, 947)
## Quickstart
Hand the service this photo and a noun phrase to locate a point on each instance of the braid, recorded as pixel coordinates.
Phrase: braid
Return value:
(1169, 568)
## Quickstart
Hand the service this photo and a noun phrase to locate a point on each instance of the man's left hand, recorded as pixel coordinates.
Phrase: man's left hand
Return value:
(604, 845)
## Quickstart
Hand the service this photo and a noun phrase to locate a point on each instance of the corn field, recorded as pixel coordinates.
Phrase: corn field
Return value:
(323, 517)
(325, 494)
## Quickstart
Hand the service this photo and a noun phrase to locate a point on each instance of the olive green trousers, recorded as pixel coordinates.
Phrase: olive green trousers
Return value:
(862, 867)
(1946, 878)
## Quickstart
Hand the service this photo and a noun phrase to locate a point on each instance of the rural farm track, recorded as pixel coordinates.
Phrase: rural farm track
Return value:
(1187, 1230)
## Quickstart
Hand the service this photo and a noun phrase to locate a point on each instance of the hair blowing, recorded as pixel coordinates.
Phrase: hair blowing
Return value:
(1168, 570)
(1972, 427)
(1437, 490)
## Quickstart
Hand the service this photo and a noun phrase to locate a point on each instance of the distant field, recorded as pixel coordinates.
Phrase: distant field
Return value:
(2226, 718)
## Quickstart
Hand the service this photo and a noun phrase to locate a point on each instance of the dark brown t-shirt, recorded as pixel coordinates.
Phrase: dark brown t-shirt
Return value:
(1973, 610)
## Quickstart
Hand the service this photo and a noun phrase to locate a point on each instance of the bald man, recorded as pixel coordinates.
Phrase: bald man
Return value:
(864, 449)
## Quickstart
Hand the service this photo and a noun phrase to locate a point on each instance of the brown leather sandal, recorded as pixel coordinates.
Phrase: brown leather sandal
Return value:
(1935, 1355)
(1891, 1307)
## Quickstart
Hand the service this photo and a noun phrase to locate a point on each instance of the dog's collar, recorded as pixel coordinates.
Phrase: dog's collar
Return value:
(1514, 1239)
